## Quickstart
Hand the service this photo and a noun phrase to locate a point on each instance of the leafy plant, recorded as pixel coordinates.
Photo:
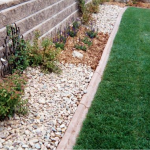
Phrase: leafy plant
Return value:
(46, 57)
(81, 47)
(86, 17)
(81, 6)
(60, 45)
(34, 53)
(76, 25)
(93, 7)
(63, 39)
(87, 41)
(92, 34)
(18, 59)
(50, 57)
(72, 33)
(11, 90)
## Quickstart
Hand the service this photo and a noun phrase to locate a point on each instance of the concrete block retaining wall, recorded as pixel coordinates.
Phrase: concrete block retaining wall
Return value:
(31, 15)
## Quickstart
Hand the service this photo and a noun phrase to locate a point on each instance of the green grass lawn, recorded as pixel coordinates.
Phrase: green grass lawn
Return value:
(119, 117)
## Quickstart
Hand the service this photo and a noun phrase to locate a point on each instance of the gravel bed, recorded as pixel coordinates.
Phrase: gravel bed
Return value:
(105, 20)
(53, 99)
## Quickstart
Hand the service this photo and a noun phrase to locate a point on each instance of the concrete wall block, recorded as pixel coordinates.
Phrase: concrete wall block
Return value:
(32, 21)
(18, 12)
(52, 22)
(33, 15)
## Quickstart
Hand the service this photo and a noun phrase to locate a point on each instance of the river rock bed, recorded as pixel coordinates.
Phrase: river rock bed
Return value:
(53, 100)
(105, 20)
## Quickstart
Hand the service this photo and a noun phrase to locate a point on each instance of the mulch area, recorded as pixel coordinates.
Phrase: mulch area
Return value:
(93, 53)
(130, 3)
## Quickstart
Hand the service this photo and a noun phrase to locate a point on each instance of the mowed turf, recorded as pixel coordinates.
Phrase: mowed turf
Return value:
(119, 117)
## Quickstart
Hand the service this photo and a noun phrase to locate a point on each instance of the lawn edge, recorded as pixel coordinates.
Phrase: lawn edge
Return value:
(69, 139)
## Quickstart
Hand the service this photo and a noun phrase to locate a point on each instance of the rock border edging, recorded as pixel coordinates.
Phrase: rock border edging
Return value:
(75, 125)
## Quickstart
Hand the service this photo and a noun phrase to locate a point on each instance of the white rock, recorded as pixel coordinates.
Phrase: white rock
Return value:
(34, 140)
(37, 146)
(62, 126)
(77, 54)
(1, 146)
(42, 101)
(27, 132)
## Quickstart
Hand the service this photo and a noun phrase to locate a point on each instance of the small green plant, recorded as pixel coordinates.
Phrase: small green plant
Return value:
(93, 7)
(92, 33)
(46, 57)
(49, 56)
(76, 25)
(87, 41)
(60, 45)
(86, 17)
(18, 60)
(81, 47)
(81, 6)
(11, 90)
(34, 53)
(63, 39)
(72, 33)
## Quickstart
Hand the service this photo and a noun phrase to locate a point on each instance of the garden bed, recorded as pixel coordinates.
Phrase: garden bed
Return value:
(54, 98)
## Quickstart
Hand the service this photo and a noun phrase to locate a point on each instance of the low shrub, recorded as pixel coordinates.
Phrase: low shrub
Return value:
(18, 60)
(93, 7)
(11, 90)
(44, 54)
(81, 6)
(34, 53)
(86, 17)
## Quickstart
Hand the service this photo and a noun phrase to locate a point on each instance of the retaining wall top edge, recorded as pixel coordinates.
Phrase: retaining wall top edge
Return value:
(4, 4)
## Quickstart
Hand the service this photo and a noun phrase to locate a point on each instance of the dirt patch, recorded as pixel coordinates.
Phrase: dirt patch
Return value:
(130, 3)
(115, 3)
(140, 4)
(93, 53)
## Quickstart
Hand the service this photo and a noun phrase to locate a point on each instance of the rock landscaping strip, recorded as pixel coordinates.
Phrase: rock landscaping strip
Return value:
(53, 100)
(106, 18)
(73, 130)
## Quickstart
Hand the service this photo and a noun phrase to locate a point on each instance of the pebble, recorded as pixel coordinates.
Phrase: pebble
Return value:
(38, 146)
(1, 146)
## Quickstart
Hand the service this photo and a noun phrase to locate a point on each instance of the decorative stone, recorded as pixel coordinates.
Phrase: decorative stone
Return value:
(42, 101)
(37, 146)
(77, 54)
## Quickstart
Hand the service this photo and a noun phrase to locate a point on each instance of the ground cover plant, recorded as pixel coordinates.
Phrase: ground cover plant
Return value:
(119, 116)
(11, 90)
